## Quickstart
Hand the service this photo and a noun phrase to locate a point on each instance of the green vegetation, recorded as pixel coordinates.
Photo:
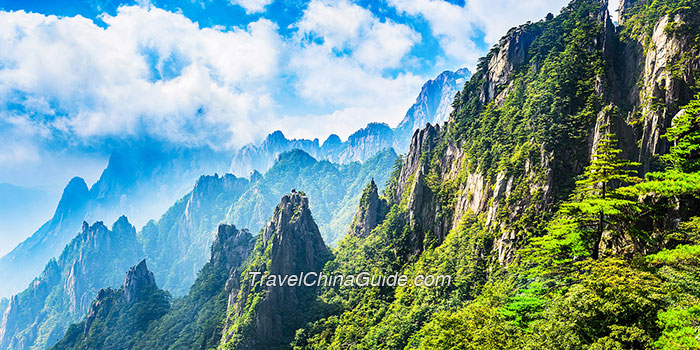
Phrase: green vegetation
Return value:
(115, 322)
(600, 268)
(568, 248)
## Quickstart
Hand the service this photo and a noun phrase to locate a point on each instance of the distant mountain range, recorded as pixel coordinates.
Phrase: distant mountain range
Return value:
(433, 105)
(141, 181)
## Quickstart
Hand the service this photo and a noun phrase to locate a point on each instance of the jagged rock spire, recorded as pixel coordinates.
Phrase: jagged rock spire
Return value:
(290, 244)
(369, 213)
(138, 279)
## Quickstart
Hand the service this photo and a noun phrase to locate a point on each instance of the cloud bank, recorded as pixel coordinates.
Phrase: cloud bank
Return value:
(147, 72)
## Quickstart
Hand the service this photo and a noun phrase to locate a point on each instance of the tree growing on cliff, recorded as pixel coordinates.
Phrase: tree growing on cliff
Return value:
(595, 207)
(685, 134)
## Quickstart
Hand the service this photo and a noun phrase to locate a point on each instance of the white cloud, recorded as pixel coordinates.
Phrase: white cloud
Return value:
(252, 6)
(346, 29)
(451, 24)
(456, 26)
(497, 17)
(339, 58)
(149, 69)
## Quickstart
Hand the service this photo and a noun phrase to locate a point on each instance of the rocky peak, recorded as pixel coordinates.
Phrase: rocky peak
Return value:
(433, 105)
(422, 142)
(369, 213)
(255, 176)
(293, 233)
(231, 246)
(333, 140)
(509, 54)
(290, 244)
(137, 282)
(74, 197)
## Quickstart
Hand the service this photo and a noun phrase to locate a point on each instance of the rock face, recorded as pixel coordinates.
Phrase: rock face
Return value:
(510, 53)
(137, 280)
(117, 316)
(664, 87)
(640, 93)
(433, 105)
(370, 212)
(138, 284)
(176, 246)
(61, 295)
(290, 244)
(231, 247)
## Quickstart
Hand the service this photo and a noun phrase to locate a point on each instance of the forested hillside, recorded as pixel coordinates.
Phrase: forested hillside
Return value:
(566, 218)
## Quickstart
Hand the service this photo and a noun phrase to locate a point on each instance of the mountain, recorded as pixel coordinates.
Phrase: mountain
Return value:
(61, 295)
(141, 316)
(139, 181)
(262, 316)
(117, 314)
(530, 199)
(558, 207)
(195, 321)
(433, 105)
(142, 180)
(177, 243)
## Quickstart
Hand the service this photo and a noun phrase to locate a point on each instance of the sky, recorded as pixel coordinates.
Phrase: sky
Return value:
(80, 77)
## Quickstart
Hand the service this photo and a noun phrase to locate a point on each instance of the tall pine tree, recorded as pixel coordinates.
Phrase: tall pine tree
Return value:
(595, 207)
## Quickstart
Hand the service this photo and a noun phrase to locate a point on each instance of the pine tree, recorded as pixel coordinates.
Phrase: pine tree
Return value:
(596, 204)
(685, 134)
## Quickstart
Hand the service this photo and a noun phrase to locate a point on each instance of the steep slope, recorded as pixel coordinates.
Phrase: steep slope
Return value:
(38, 316)
(140, 181)
(139, 315)
(433, 105)
(177, 244)
(509, 198)
(334, 190)
(265, 316)
(525, 199)
(16, 268)
(195, 321)
(117, 314)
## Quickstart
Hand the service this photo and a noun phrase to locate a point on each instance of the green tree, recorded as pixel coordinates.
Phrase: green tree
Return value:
(596, 205)
(685, 134)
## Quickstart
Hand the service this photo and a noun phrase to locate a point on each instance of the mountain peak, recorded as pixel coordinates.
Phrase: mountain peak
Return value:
(370, 212)
(291, 244)
(231, 246)
(138, 280)
(75, 196)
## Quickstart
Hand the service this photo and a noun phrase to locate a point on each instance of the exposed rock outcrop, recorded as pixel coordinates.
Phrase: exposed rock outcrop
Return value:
(264, 316)
(177, 246)
(433, 105)
(61, 295)
(510, 53)
(370, 212)
(138, 279)
(665, 88)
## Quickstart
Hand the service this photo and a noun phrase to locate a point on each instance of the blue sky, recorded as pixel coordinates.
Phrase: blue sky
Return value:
(79, 77)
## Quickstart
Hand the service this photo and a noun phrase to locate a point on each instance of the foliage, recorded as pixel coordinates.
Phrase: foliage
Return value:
(116, 322)
(685, 133)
